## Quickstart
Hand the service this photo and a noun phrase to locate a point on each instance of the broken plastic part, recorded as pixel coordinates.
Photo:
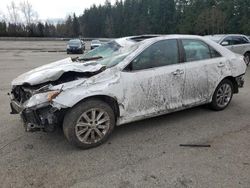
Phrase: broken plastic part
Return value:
(52, 95)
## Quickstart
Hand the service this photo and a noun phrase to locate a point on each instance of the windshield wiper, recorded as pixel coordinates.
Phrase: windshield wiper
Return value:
(89, 58)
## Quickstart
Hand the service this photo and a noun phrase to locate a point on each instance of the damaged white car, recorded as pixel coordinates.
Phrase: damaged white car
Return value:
(150, 78)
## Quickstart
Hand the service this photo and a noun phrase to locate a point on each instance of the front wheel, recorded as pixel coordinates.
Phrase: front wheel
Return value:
(89, 124)
(222, 96)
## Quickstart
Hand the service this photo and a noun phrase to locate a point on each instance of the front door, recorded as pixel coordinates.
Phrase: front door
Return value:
(153, 82)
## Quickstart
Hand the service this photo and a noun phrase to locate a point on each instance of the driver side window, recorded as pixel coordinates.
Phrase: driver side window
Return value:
(161, 53)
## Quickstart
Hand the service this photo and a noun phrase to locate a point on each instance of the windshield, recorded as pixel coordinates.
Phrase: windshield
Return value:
(118, 56)
(74, 42)
(103, 51)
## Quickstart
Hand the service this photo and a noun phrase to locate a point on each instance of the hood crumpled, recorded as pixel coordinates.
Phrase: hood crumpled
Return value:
(53, 71)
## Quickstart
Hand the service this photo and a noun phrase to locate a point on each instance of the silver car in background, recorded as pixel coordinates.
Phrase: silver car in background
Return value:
(95, 44)
(156, 76)
(237, 43)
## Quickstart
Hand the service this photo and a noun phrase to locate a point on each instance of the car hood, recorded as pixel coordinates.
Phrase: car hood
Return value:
(53, 71)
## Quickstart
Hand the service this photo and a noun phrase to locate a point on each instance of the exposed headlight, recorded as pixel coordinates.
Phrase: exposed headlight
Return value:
(41, 98)
(68, 47)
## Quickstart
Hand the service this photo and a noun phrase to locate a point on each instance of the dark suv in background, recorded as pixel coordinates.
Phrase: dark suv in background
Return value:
(75, 46)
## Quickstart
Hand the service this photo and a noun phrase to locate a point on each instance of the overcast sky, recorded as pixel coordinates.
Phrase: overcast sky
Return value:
(50, 9)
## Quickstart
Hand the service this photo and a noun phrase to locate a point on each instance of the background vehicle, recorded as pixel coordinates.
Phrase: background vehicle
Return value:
(239, 44)
(75, 46)
(95, 44)
(156, 76)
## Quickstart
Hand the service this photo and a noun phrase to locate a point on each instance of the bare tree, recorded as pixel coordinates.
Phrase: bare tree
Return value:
(29, 14)
(2, 16)
(13, 13)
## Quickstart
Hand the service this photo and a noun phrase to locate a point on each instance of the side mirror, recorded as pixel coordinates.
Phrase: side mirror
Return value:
(225, 43)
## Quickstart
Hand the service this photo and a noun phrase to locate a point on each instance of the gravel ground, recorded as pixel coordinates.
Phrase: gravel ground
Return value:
(140, 154)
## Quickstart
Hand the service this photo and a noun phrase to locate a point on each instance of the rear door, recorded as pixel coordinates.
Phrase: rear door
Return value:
(196, 82)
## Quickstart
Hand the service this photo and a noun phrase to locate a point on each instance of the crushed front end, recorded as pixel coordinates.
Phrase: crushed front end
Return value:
(33, 93)
(36, 109)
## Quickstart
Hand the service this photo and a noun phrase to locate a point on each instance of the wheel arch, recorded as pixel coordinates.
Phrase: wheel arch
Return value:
(247, 52)
(105, 98)
(234, 82)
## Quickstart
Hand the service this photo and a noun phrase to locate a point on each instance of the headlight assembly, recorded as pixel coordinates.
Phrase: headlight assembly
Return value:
(41, 98)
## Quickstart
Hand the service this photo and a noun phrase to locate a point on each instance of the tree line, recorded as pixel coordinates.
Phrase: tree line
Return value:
(133, 17)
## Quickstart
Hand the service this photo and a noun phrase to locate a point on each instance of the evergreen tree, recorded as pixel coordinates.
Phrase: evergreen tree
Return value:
(75, 26)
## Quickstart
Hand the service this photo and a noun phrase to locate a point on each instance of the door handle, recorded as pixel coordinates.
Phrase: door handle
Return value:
(221, 64)
(178, 72)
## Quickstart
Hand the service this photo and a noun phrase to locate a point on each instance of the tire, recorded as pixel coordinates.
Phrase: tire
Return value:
(79, 131)
(222, 96)
(247, 58)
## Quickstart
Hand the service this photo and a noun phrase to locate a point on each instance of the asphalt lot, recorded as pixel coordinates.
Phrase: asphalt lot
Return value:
(140, 154)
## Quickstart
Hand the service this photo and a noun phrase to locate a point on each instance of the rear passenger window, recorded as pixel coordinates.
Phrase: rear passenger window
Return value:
(195, 50)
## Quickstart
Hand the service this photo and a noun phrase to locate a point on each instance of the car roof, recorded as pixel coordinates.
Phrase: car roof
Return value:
(225, 35)
(130, 40)
(173, 36)
(125, 41)
(220, 37)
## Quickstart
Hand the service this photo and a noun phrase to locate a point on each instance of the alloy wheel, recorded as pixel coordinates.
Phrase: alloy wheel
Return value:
(224, 95)
(92, 126)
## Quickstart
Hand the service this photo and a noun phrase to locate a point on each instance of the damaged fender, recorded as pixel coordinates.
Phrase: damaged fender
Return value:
(103, 84)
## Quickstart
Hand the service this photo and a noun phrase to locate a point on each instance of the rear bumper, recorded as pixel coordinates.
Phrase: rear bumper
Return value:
(240, 80)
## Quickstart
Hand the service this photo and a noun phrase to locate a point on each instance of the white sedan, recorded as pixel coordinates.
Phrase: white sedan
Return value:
(150, 78)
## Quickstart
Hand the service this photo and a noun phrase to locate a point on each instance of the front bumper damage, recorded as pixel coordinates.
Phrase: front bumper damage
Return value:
(42, 118)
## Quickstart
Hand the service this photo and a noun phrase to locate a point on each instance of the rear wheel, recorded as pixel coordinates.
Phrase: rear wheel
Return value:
(89, 124)
(222, 95)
